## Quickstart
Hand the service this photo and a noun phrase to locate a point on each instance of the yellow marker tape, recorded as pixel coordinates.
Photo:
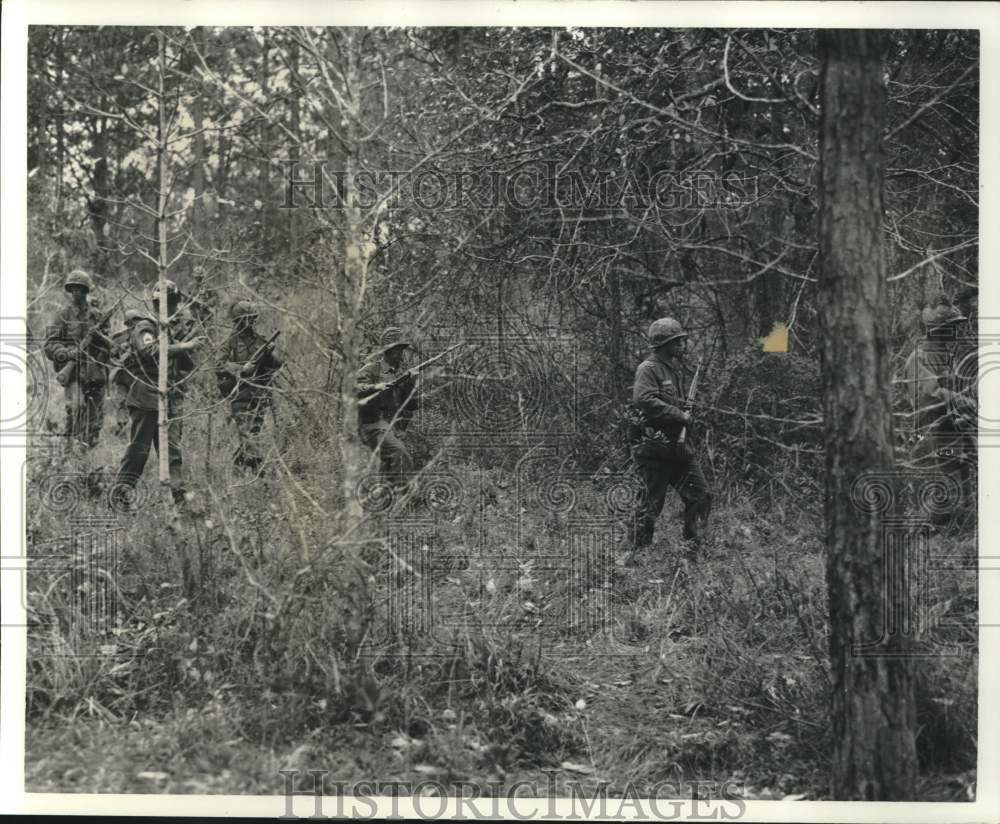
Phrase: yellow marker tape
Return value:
(777, 341)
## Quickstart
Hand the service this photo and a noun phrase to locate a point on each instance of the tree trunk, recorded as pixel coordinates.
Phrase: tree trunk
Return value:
(872, 709)
(199, 225)
(161, 232)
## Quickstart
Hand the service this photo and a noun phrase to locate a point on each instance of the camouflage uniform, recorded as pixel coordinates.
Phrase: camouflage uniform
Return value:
(84, 393)
(944, 408)
(142, 400)
(658, 395)
(249, 394)
(391, 411)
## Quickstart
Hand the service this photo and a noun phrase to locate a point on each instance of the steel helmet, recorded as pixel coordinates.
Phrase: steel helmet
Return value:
(663, 331)
(172, 290)
(242, 309)
(132, 315)
(944, 314)
(79, 278)
(393, 337)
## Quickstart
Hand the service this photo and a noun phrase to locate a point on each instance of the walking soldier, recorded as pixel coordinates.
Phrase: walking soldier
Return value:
(76, 342)
(244, 376)
(388, 401)
(664, 457)
(142, 368)
(943, 400)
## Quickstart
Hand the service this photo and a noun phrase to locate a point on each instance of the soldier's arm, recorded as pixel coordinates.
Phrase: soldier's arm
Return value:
(930, 392)
(660, 406)
(367, 380)
(55, 347)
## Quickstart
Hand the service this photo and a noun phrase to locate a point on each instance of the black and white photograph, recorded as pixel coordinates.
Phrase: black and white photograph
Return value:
(461, 415)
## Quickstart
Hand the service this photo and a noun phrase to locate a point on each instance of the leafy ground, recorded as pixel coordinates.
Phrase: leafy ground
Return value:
(458, 650)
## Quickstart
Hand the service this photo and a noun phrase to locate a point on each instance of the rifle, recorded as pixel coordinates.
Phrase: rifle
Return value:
(411, 372)
(65, 375)
(262, 350)
(690, 398)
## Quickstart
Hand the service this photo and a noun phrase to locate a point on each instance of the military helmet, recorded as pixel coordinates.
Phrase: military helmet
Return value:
(79, 278)
(242, 309)
(944, 314)
(663, 331)
(171, 287)
(393, 337)
(132, 315)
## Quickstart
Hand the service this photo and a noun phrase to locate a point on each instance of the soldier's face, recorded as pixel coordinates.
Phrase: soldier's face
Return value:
(394, 356)
(676, 347)
(77, 294)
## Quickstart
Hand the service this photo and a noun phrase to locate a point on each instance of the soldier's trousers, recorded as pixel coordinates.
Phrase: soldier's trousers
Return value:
(84, 412)
(661, 467)
(145, 434)
(394, 457)
(249, 419)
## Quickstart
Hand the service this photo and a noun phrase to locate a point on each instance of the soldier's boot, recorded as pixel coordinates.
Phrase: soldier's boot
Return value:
(692, 527)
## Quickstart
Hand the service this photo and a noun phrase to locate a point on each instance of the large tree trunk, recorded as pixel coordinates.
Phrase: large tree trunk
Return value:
(872, 708)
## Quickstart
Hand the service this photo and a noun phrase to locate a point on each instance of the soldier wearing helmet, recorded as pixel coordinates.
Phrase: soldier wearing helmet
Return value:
(658, 397)
(942, 396)
(64, 336)
(121, 378)
(142, 369)
(244, 375)
(394, 400)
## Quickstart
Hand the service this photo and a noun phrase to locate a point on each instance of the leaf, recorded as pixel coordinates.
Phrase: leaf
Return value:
(795, 797)
(578, 768)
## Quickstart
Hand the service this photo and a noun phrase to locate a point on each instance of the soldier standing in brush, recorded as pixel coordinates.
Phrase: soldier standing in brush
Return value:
(944, 404)
(67, 345)
(244, 376)
(142, 400)
(121, 379)
(387, 401)
(662, 454)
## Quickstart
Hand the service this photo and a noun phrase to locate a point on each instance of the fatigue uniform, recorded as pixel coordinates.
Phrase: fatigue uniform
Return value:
(945, 416)
(85, 392)
(249, 395)
(658, 394)
(390, 412)
(142, 400)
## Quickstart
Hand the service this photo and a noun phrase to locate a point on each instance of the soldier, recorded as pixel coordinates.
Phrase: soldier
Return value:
(85, 386)
(943, 403)
(658, 396)
(244, 375)
(121, 378)
(143, 394)
(391, 409)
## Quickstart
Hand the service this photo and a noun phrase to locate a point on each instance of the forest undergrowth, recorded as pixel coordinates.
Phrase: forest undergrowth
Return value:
(456, 639)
